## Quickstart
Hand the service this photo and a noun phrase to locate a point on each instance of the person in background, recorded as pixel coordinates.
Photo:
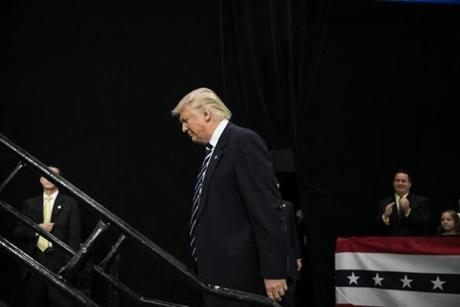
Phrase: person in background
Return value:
(450, 224)
(58, 214)
(300, 224)
(294, 257)
(403, 213)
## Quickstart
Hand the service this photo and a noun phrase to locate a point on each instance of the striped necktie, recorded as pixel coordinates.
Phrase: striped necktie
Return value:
(196, 198)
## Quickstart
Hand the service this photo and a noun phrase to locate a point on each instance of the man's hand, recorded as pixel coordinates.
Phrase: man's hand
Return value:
(405, 205)
(275, 288)
(388, 210)
(47, 226)
(299, 264)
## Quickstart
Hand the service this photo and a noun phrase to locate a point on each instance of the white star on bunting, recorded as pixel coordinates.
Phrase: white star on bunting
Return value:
(377, 280)
(406, 282)
(353, 279)
(437, 284)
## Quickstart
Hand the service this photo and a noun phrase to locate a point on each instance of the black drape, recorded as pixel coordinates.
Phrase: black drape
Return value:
(271, 52)
(355, 90)
(89, 88)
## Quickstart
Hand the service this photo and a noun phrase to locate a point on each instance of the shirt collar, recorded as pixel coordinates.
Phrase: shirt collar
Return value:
(218, 132)
(398, 197)
(52, 196)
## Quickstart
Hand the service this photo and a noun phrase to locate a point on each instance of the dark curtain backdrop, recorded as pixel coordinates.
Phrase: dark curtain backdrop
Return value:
(353, 89)
(271, 54)
(89, 87)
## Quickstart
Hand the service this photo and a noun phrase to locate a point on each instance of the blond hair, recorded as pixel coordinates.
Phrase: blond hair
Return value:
(204, 99)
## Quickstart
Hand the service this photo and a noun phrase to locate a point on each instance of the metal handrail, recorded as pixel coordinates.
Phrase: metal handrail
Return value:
(45, 273)
(133, 234)
(27, 221)
(121, 287)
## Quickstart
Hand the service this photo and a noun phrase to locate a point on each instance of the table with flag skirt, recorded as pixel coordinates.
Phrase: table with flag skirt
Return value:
(398, 271)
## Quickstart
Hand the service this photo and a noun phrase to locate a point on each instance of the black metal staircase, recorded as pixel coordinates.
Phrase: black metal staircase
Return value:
(107, 222)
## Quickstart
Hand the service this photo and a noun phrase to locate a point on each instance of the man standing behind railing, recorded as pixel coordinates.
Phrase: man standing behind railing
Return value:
(404, 213)
(237, 232)
(59, 214)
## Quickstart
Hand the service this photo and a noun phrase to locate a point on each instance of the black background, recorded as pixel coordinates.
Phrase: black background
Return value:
(355, 90)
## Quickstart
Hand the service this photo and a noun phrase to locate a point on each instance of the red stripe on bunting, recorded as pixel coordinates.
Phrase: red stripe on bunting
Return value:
(442, 245)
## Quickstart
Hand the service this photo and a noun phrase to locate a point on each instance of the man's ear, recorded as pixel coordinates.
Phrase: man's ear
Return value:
(207, 116)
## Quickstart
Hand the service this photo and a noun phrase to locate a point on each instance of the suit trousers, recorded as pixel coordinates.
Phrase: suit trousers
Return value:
(39, 292)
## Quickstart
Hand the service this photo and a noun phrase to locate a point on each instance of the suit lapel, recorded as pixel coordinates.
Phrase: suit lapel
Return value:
(395, 213)
(38, 210)
(412, 203)
(57, 207)
(216, 157)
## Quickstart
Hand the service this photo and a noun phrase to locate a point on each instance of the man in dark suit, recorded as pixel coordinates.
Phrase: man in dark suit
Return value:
(59, 214)
(237, 223)
(403, 213)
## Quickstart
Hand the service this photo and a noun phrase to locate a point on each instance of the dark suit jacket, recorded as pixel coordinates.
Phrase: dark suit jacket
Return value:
(67, 227)
(240, 236)
(417, 223)
(293, 242)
